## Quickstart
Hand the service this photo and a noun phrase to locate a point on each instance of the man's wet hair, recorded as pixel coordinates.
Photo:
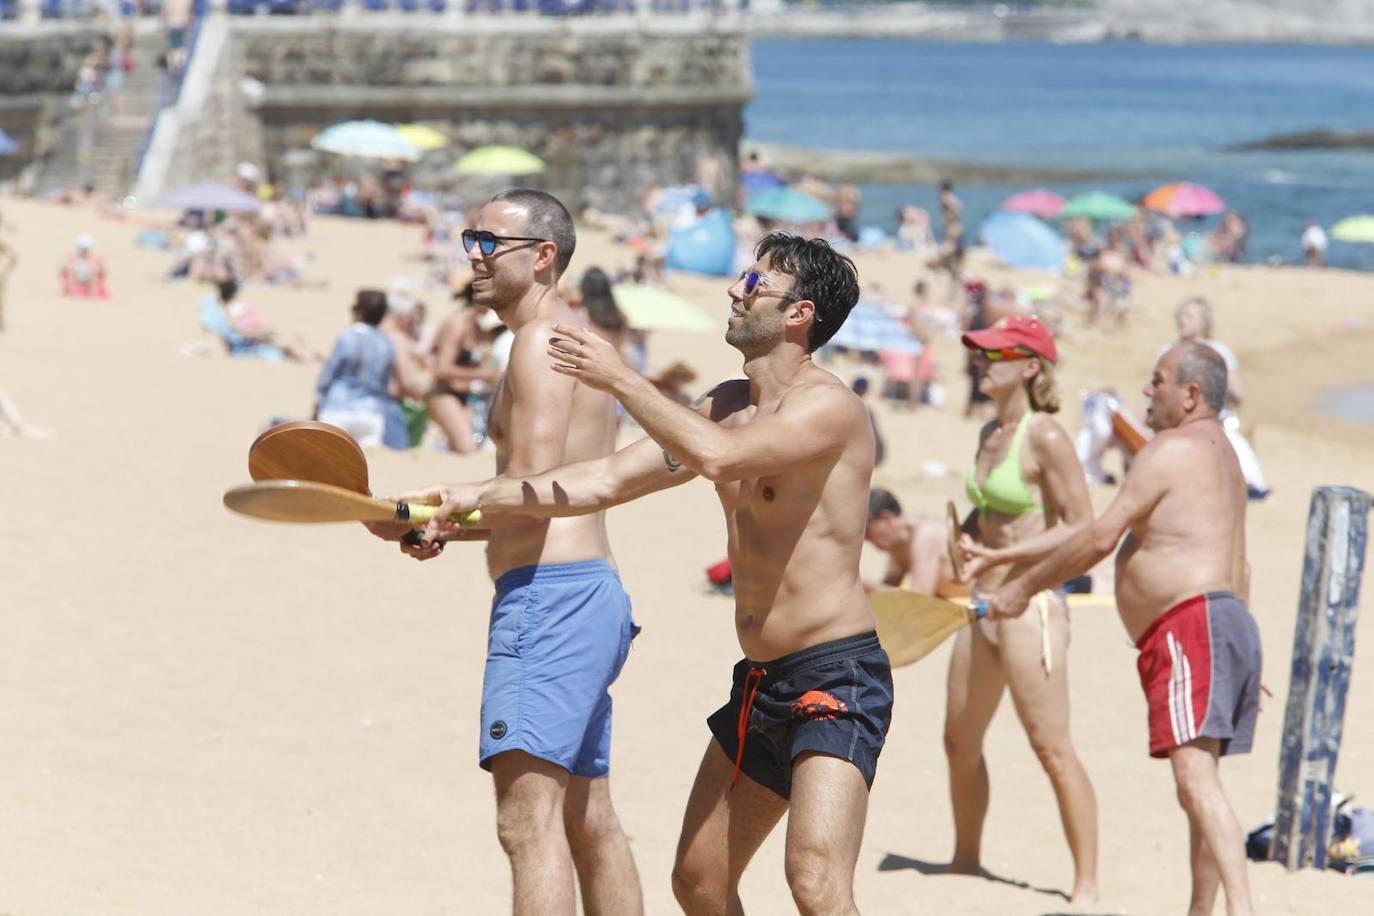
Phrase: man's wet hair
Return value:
(370, 306)
(880, 501)
(1201, 364)
(819, 273)
(545, 218)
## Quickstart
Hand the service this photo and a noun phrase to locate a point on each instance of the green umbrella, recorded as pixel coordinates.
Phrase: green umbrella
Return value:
(1354, 229)
(648, 308)
(1098, 205)
(499, 160)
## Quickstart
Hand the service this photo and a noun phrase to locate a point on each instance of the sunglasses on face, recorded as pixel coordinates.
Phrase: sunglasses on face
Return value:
(1010, 353)
(752, 280)
(488, 242)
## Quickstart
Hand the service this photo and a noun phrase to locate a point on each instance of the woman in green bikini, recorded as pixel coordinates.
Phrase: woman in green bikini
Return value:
(1027, 489)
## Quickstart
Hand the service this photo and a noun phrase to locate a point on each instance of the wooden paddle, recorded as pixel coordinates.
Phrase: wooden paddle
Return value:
(310, 502)
(309, 450)
(911, 625)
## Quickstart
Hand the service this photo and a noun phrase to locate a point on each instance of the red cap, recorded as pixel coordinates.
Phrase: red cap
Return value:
(1016, 331)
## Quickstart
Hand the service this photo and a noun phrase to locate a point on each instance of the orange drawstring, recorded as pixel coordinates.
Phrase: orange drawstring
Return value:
(751, 689)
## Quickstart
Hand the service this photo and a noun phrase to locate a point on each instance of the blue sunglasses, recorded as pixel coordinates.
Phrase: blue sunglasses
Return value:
(753, 279)
(488, 242)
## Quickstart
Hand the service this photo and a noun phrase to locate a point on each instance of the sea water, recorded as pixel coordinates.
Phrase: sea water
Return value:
(1159, 112)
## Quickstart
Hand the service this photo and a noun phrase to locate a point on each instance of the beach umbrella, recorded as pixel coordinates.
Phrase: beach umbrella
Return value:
(423, 137)
(1184, 199)
(210, 195)
(788, 205)
(366, 140)
(1040, 202)
(1021, 240)
(1098, 205)
(7, 144)
(649, 308)
(871, 329)
(758, 182)
(1354, 229)
(499, 160)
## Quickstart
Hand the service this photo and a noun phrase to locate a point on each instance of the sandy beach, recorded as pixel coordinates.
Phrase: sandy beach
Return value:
(201, 713)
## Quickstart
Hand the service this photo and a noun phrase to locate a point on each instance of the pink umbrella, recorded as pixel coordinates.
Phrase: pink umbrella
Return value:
(1042, 203)
(1184, 199)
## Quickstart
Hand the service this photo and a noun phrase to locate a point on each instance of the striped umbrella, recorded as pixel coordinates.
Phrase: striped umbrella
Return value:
(871, 329)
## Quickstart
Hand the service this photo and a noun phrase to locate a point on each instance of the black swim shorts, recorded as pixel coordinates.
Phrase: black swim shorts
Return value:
(833, 699)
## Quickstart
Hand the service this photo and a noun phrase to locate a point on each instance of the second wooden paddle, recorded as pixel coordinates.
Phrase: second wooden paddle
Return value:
(911, 625)
(309, 450)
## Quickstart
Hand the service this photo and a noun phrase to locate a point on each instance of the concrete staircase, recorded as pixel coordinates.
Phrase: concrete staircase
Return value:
(102, 148)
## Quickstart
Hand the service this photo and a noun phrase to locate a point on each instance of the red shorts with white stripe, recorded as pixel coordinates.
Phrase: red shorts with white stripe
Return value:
(1200, 668)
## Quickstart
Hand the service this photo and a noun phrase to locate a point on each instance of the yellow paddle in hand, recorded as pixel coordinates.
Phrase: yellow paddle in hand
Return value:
(911, 625)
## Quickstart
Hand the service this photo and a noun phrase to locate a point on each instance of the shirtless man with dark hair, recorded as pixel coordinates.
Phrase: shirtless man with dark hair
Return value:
(790, 450)
(1181, 586)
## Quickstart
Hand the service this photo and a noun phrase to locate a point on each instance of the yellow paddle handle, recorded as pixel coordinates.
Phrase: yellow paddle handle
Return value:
(420, 515)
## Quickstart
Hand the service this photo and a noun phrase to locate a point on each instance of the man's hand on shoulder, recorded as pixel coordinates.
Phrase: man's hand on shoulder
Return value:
(582, 354)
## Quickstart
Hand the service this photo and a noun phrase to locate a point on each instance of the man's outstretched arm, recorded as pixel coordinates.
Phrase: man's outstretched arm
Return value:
(1145, 485)
(637, 470)
(810, 421)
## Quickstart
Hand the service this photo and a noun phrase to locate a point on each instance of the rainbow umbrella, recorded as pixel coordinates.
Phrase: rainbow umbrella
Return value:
(1098, 205)
(1354, 229)
(1040, 202)
(1184, 199)
(499, 160)
(423, 137)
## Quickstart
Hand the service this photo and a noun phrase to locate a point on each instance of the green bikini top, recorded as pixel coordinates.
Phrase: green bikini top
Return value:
(1005, 491)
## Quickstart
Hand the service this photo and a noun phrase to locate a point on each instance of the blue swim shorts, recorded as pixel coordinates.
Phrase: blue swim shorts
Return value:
(558, 639)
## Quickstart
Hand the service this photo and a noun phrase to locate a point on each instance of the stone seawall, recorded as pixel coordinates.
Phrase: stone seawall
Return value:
(38, 67)
(611, 105)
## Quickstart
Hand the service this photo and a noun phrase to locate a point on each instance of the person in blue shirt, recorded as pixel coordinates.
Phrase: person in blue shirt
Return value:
(353, 389)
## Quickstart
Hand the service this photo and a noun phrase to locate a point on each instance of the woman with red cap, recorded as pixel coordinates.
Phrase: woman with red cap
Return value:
(1027, 489)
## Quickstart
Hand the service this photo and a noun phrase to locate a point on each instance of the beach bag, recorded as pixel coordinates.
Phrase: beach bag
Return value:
(1352, 841)
(1352, 838)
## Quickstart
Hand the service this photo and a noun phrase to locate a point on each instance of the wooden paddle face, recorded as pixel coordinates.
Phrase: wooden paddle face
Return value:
(306, 501)
(911, 625)
(952, 538)
(309, 450)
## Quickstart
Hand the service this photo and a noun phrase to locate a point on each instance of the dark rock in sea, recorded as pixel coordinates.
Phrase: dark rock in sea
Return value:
(1310, 139)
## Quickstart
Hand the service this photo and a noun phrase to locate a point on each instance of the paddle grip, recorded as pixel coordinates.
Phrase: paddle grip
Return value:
(979, 609)
(419, 515)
